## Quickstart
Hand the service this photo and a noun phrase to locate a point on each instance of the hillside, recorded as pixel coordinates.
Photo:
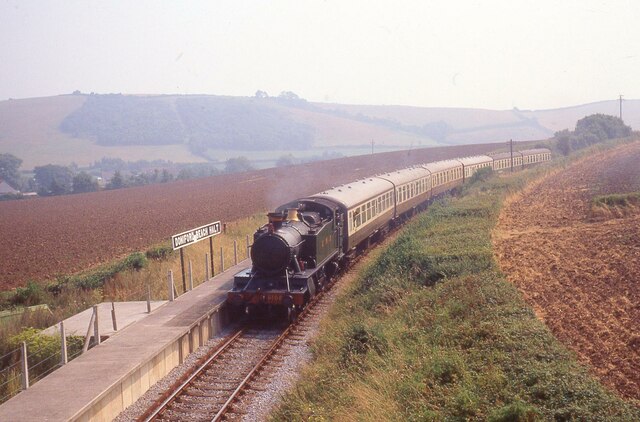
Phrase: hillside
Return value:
(197, 128)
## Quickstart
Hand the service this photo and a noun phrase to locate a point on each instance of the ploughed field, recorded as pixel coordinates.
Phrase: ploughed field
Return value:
(45, 237)
(581, 274)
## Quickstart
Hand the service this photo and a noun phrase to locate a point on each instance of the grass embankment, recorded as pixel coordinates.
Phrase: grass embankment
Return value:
(615, 205)
(433, 331)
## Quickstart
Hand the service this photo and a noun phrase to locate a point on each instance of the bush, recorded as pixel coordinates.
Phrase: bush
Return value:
(591, 130)
(135, 261)
(358, 341)
(43, 356)
(31, 294)
(517, 411)
(159, 252)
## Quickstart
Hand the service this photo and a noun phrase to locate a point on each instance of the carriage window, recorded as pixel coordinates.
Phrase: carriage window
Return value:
(356, 218)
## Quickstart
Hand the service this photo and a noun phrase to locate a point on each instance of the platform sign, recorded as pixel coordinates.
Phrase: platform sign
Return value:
(190, 237)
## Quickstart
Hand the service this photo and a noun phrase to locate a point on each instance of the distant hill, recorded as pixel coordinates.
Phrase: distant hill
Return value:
(196, 128)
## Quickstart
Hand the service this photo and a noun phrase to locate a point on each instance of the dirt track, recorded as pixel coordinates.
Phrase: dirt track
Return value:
(45, 237)
(581, 276)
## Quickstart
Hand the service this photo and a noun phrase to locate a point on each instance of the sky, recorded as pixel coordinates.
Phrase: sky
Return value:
(534, 54)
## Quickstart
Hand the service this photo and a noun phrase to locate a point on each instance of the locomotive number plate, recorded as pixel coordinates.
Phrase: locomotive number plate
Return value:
(273, 298)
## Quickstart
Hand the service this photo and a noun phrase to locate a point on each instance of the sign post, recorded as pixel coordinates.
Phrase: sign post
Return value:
(179, 241)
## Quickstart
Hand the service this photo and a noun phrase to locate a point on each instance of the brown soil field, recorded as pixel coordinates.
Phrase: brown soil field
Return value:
(45, 237)
(581, 275)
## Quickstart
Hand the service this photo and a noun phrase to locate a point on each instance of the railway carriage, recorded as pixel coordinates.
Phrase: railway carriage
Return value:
(535, 156)
(445, 175)
(412, 190)
(502, 161)
(367, 206)
(475, 163)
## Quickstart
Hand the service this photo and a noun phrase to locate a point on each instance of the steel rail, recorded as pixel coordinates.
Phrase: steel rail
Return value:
(276, 344)
(147, 417)
(247, 379)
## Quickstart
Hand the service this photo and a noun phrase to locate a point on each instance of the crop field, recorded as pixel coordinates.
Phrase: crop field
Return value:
(579, 269)
(45, 237)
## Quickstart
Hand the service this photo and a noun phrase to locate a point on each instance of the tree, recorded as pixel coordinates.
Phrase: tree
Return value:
(117, 181)
(285, 160)
(185, 173)
(53, 179)
(237, 165)
(84, 182)
(603, 127)
(591, 130)
(289, 96)
(564, 139)
(166, 176)
(9, 165)
(261, 94)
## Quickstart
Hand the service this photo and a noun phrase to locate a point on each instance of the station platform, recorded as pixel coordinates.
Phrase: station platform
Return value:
(126, 313)
(106, 379)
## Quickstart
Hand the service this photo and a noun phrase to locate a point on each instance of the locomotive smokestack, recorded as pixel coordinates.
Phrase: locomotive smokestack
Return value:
(276, 219)
(292, 214)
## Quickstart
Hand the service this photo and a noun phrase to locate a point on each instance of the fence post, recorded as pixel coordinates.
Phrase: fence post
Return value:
(206, 267)
(148, 298)
(25, 366)
(248, 247)
(64, 358)
(221, 260)
(85, 347)
(235, 252)
(184, 279)
(213, 268)
(172, 296)
(190, 275)
(113, 316)
(96, 326)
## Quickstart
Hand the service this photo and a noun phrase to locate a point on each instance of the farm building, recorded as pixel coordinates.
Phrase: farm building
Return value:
(6, 189)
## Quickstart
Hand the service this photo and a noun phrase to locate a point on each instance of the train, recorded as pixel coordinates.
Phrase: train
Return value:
(308, 241)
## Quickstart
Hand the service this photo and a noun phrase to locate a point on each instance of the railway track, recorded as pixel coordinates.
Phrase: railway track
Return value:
(212, 391)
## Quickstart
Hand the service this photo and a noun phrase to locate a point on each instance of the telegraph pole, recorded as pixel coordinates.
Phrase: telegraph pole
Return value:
(620, 106)
(511, 149)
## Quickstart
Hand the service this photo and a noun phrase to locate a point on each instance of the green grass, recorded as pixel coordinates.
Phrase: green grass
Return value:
(617, 200)
(433, 331)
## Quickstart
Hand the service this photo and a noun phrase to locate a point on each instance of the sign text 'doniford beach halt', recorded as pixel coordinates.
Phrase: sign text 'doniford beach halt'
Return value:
(192, 236)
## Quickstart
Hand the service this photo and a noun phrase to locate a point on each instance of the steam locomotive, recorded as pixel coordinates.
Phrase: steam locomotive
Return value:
(308, 241)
